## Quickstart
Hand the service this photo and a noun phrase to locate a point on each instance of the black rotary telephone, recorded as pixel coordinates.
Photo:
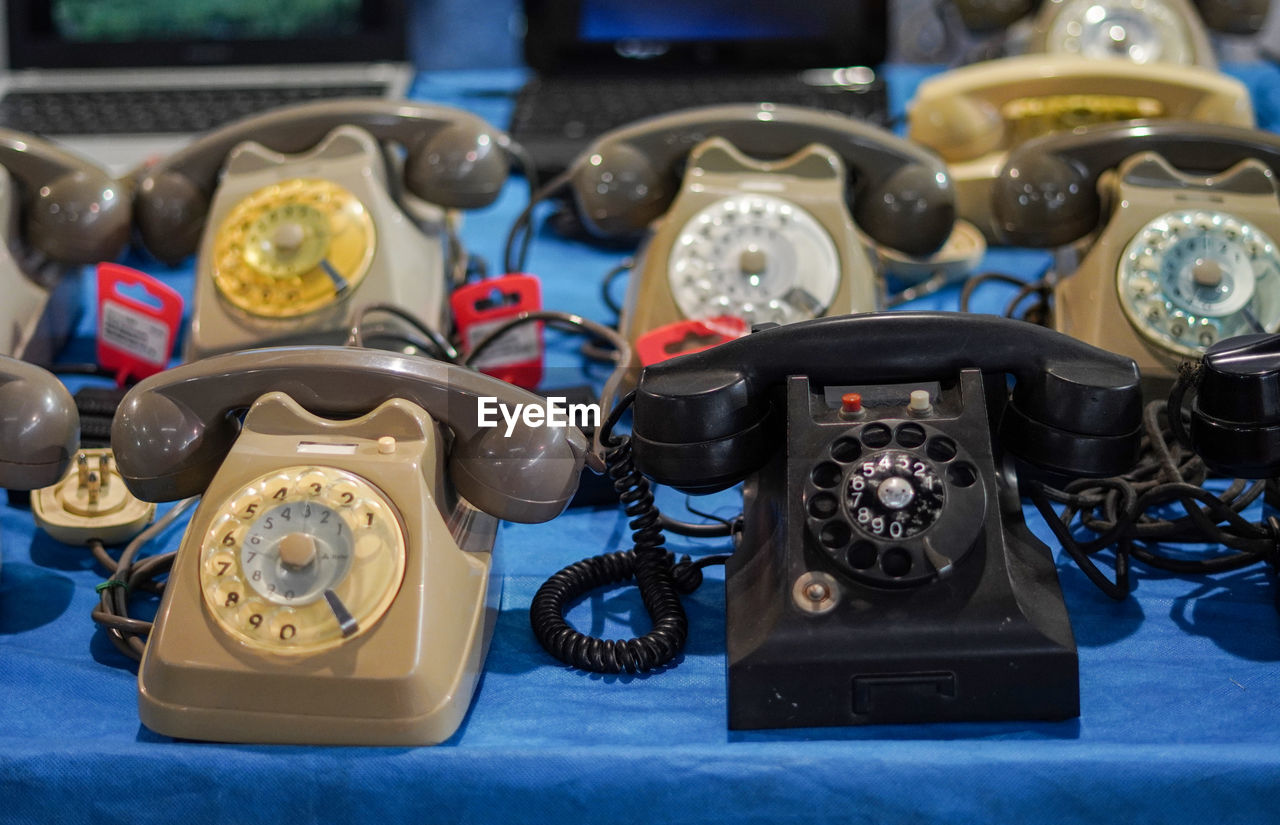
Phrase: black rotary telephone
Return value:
(884, 571)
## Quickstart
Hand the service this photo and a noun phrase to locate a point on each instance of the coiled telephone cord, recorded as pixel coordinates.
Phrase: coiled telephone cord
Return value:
(659, 577)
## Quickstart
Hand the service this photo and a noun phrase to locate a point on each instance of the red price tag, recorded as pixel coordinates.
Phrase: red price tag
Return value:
(684, 337)
(138, 319)
(482, 307)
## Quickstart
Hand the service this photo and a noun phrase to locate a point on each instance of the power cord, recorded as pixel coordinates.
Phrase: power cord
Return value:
(128, 576)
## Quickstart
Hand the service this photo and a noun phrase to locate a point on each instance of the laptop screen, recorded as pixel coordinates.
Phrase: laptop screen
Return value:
(565, 36)
(677, 20)
(122, 33)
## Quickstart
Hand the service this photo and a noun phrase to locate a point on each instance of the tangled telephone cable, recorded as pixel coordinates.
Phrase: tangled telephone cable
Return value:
(660, 578)
(1126, 511)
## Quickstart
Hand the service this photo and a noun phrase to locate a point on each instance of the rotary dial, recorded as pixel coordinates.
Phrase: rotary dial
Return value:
(1190, 278)
(292, 248)
(300, 560)
(757, 257)
(894, 494)
(1142, 31)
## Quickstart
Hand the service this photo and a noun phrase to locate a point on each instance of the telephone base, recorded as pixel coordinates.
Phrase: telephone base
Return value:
(984, 637)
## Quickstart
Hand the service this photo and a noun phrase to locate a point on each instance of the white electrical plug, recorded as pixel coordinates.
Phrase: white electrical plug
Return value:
(91, 502)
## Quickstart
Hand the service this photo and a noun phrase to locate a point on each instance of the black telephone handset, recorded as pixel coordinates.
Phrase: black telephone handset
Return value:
(454, 159)
(1234, 407)
(707, 420)
(884, 571)
(899, 193)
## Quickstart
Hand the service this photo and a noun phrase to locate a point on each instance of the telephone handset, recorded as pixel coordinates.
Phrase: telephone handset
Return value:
(332, 586)
(1234, 407)
(39, 426)
(884, 572)
(1185, 250)
(295, 214)
(754, 211)
(973, 116)
(57, 210)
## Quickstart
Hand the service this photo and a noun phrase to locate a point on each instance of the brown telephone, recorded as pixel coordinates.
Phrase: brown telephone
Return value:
(973, 116)
(57, 211)
(299, 219)
(1180, 221)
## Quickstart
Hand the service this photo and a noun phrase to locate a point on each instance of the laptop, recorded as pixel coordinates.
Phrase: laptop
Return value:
(603, 63)
(123, 81)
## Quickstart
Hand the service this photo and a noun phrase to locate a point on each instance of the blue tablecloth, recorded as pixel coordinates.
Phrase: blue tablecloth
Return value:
(1180, 686)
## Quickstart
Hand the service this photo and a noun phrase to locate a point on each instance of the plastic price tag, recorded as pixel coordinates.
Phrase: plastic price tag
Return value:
(138, 320)
(684, 337)
(481, 307)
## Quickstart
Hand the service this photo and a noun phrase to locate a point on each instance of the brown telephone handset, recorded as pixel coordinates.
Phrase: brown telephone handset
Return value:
(762, 212)
(1183, 220)
(332, 587)
(295, 214)
(57, 210)
(39, 426)
(975, 115)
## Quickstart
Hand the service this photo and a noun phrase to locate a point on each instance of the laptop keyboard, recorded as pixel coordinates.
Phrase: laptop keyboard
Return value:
(155, 111)
(555, 117)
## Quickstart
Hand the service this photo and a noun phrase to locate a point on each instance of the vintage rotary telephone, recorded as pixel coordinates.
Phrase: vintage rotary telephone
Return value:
(1183, 221)
(975, 115)
(332, 587)
(1143, 31)
(759, 212)
(302, 222)
(39, 426)
(58, 211)
(884, 572)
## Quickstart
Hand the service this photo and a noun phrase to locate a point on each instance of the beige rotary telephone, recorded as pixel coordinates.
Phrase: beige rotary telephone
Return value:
(58, 211)
(974, 115)
(1142, 31)
(764, 213)
(1181, 222)
(302, 221)
(333, 586)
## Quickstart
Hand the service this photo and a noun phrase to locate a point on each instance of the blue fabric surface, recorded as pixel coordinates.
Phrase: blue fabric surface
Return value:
(1180, 686)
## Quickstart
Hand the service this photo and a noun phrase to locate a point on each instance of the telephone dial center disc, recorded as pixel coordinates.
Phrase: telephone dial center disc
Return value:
(1192, 277)
(761, 258)
(1141, 31)
(300, 560)
(292, 248)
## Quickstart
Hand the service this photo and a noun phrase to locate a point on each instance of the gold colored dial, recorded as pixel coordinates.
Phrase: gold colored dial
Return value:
(302, 559)
(292, 248)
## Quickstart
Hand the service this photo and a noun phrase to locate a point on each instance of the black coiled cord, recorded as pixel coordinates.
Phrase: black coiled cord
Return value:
(658, 576)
